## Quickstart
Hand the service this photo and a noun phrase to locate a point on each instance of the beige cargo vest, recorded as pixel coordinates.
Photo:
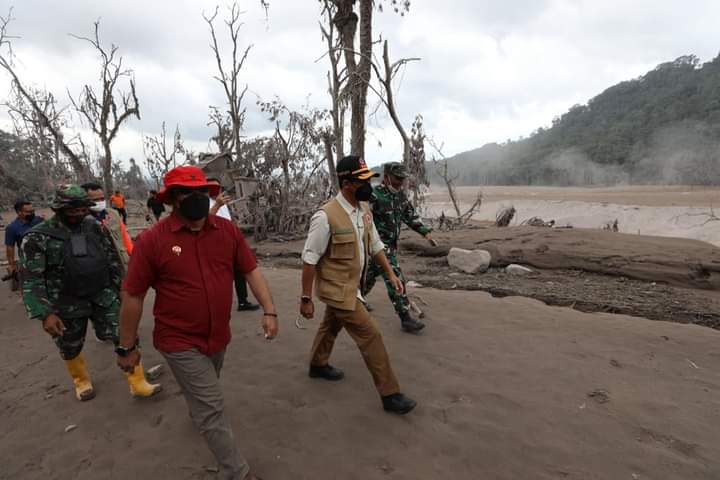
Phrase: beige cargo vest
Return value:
(338, 271)
(115, 230)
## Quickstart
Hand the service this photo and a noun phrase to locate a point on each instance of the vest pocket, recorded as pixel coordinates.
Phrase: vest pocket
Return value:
(331, 290)
(342, 246)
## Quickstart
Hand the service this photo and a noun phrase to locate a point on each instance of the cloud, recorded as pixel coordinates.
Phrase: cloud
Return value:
(490, 70)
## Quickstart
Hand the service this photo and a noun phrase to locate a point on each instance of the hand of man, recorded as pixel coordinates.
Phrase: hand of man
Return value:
(53, 325)
(222, 199)
(127, 364)
(307, 310)
(397, 283)
(270, 326)
(12, 269)
(432, 241)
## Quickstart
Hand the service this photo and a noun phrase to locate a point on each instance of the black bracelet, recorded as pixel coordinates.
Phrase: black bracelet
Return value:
(270, 314)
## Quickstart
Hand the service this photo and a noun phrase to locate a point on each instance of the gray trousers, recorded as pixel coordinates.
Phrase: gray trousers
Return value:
(199, 378)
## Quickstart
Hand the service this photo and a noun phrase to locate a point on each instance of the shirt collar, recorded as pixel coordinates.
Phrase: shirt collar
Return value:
(177, 223)
(344, 203)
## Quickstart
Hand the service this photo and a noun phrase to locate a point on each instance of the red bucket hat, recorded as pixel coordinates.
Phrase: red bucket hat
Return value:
(185, 177)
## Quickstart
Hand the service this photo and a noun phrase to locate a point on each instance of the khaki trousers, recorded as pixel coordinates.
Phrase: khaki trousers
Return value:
(366, 333)
(199, 378)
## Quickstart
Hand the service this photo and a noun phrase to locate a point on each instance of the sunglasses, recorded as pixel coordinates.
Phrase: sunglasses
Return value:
(189, 190)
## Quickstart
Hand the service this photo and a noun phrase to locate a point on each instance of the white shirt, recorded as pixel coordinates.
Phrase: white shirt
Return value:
(223, 212)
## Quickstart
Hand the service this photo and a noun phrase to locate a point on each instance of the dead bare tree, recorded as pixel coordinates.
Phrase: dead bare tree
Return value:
(37, 109)
(223, 138)
(443, 171)
(350, 84)
(710, 216)
(413, 146)
(387, 96)
(229, 79)
(106, 110)
(46, 161)
(345, 21)
(298, 150)
(161, 157)
(336, 80)
(359, 72)
(417, 162)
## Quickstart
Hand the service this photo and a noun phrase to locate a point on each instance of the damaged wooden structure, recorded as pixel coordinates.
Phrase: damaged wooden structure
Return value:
(243, 190)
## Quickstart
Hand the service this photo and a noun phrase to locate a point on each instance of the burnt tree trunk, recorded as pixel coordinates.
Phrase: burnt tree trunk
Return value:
(346, 21)
(362, 79)
(332, 174)
(107, 170)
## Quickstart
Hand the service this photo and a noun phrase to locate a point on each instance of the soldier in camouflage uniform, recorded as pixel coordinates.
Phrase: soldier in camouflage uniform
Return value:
(391, 208)
(72, 275)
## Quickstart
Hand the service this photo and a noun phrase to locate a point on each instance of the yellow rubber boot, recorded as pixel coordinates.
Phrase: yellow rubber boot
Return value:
(139, 387)
(78, 371)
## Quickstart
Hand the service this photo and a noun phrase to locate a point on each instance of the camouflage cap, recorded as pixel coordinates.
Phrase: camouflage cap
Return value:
(395, 168)
(70, 196)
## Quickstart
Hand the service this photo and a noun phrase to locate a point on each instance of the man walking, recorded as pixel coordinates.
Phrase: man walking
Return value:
(72, 275)
(190, 259)
(111, 221)
(340, 241)
(117, 201)
(391, 208)
(14, 234)
(154, 207)
(218, 206)
(114, 227)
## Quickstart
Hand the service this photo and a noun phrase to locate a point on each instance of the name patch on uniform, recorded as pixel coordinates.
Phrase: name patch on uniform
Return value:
(341, 231)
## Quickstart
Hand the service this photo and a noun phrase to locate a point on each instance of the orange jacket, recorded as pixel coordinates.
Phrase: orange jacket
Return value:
(118, 201)
(127, 241)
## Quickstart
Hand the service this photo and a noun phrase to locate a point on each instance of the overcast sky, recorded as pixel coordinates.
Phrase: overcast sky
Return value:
(490, 70)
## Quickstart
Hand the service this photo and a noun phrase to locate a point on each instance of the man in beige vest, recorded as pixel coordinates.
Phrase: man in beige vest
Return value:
(341, 240)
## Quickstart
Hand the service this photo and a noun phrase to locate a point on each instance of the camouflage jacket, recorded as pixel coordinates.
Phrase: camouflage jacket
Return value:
(42, 273)
(390, 210)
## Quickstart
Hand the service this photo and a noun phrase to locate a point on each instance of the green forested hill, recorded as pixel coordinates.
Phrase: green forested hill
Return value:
(663, 127)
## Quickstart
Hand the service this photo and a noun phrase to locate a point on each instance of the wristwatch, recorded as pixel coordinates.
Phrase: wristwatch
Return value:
(125, 351)
(305, 299)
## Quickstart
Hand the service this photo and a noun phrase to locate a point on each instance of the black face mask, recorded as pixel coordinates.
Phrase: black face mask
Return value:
(30, 217)
(364, 192)
(71, 220)
(195, 206)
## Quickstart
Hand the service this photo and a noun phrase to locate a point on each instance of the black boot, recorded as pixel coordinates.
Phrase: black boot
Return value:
(398, 403)
(247, 306)
(409, 324)
(328, 372)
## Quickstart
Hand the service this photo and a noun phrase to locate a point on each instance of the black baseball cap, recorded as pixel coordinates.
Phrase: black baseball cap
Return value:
(355, 167)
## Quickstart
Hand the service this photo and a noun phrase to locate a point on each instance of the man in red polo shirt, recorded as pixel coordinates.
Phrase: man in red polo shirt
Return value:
(189, 258)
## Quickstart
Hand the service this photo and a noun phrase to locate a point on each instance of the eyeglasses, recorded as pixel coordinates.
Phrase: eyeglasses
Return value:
(189, 190)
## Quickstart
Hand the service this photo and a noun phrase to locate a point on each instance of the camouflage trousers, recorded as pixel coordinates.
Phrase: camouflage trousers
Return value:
(400, 301)
(105, 322)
